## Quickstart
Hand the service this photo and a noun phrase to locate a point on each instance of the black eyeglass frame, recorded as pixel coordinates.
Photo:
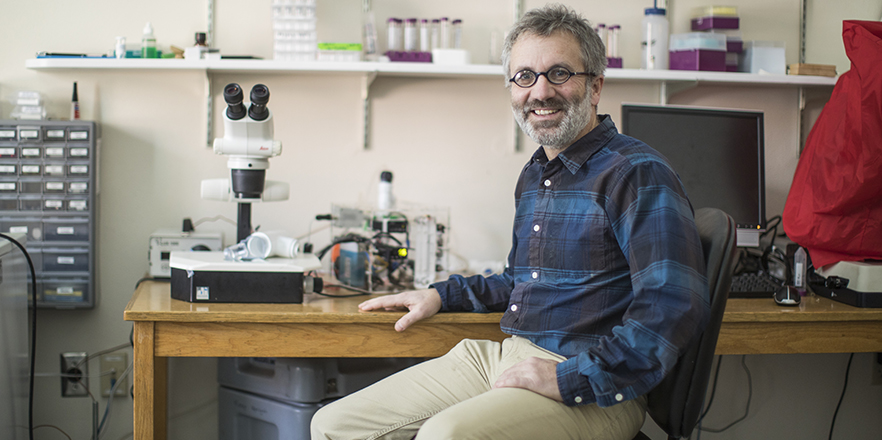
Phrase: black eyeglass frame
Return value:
(538, 74)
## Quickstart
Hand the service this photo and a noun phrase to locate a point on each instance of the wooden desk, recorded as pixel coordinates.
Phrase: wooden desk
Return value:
(326, 327)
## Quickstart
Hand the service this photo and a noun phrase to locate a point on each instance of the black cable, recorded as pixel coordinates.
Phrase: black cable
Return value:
(749, 396)
(33, 332)
(161, 280)
(841, 396)
(713, 388)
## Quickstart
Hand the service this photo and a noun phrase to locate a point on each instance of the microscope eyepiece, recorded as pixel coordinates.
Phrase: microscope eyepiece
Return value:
(233, 95)
(259, 97)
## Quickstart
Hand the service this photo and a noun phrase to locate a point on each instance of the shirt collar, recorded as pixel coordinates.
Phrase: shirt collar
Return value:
(574, 156)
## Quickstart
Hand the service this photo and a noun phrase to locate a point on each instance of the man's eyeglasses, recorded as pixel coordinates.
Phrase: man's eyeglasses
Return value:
(557, 75)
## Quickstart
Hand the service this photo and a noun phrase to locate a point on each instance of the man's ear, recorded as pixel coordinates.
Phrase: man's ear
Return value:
(596, 87)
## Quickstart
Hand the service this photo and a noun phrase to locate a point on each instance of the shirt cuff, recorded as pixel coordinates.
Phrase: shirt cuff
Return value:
(575, 389)
(443, 288)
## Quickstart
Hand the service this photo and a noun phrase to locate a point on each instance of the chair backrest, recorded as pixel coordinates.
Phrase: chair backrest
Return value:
(676, 403)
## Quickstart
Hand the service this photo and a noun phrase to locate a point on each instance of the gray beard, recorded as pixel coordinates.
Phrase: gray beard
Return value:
(557, 136)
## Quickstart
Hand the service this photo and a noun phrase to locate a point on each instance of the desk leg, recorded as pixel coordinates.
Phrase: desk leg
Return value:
(151, 386)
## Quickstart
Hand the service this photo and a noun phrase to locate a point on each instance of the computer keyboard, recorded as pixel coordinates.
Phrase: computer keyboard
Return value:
(753, 285)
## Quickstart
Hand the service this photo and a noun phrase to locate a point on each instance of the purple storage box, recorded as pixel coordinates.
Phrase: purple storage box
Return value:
(736, 46)
(705, 23)
(698, 59)
(414, 57)
(615, 63)
(730, 68)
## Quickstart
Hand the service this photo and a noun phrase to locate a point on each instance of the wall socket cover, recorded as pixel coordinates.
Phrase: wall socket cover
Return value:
(112, 367)
(74, 363)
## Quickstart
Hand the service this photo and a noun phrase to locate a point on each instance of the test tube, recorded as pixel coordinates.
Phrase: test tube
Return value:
(457, 33)
(411, 37)
(445, 33)
(436, 33)
(425, 43)
(394, 34)
(613, 46)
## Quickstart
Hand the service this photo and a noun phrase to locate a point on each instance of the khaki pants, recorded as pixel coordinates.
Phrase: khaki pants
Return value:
(452, 397)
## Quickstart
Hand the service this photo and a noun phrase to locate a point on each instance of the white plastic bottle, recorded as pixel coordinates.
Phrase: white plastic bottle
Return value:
(654, 40)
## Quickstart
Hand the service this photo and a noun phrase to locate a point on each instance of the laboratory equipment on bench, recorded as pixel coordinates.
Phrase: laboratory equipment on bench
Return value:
(211, 276)
(392, 246)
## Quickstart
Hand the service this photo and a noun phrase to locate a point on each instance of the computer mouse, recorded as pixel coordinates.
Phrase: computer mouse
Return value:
(787, 296)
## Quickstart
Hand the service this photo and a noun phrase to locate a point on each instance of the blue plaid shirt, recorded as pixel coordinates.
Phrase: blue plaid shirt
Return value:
(605, 268)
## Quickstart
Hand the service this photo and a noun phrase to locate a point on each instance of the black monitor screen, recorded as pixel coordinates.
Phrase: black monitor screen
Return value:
(718, 154)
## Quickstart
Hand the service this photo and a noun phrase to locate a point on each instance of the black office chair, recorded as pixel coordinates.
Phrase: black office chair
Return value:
(676, 403)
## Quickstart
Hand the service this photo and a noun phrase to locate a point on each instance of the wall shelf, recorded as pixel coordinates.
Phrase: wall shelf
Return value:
(670, 81)
(409, 69)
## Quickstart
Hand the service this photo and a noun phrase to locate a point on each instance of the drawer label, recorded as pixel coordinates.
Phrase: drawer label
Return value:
(66, 290)
(54, 169)
(79, 169)
(19, 229)
(79, 186)
(55, 134)
(65, 230)
(7, 169)
(7, 134)
(30, 169)
(7, 151)
(29, 134)
(79, 152)
(30, 152)
(54, 151)
(66, 260)
(79, 135)
(53, 204)
(55, 186)
(7, 186)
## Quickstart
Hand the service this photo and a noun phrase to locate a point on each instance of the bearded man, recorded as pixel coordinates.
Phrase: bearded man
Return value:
(603, 290)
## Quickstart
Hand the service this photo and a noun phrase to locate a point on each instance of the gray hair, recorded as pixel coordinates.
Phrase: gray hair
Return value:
(558, 18)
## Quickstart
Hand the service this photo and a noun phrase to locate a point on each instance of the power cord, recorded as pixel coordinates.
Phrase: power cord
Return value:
(746, 408)
(33, 332)
(841, 396)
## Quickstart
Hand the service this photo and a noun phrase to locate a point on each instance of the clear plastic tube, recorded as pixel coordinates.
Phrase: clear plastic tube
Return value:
(425, 42)
(411, 35)
(457, 33)
(436, 33)
(395, 36)
(613, 46)
(445, 33)
(370, 34)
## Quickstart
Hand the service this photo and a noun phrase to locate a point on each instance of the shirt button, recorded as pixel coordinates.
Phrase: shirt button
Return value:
(619, 397)
(547, 182)
(536, 228)
(578, 399)
(535, 275)
(514, 308)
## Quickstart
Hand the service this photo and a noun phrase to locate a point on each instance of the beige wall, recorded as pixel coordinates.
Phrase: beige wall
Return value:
(448, 141)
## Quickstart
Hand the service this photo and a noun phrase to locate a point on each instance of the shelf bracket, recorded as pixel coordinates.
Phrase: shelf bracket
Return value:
(668, 89)
(366, 82)
(209, 112)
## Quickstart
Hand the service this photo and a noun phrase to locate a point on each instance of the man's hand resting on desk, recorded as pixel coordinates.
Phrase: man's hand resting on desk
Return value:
(420, 303)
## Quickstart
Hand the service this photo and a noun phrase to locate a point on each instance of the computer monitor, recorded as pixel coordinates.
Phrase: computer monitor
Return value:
(718, 154)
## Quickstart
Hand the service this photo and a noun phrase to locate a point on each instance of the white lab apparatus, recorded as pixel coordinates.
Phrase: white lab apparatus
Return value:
(424, 239)
(654, 40)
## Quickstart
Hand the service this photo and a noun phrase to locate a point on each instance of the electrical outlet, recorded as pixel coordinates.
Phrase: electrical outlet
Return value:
(877, 369)
(112, 367)
(75, 375)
